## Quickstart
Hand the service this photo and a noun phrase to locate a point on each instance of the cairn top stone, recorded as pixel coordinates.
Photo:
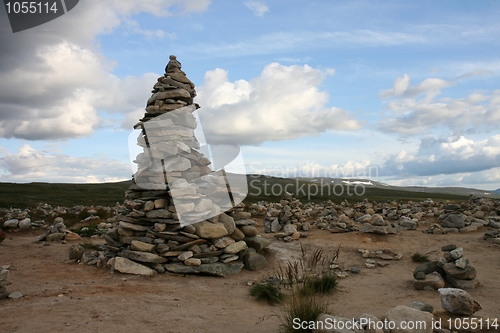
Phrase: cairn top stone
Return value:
(173, 64)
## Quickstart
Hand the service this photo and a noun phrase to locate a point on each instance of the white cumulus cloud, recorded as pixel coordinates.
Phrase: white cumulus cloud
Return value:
(418, 109)
(283, 103)
(30, 164)
(446, 156)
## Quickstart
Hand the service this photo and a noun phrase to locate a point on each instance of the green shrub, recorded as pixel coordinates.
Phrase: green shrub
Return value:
(268, 292)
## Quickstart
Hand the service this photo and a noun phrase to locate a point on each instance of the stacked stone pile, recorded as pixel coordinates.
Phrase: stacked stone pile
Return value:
(453, 268)
(20, 219)
(172, 219)
(4, 276)
(57, 232)
(458, 269)
(493, 236)
(289, 211)
(4, 281)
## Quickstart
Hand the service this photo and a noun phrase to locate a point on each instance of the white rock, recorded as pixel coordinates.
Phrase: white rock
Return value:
(12, 223)
(25, 223)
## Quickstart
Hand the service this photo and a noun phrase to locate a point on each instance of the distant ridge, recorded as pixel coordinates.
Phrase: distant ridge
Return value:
(421, 189)
(260, 188)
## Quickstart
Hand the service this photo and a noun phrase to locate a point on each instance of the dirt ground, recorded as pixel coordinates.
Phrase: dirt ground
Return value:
(64, 297)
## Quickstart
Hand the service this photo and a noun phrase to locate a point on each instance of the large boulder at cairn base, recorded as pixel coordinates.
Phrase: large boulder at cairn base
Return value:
(458, 301)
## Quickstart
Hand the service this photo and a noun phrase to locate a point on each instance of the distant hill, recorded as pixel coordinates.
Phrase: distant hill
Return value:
(422, 189)
(260, 188)
(60, 194)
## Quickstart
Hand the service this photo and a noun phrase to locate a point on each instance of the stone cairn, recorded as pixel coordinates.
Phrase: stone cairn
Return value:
(453, 268)
(285, 219)
(173, 216)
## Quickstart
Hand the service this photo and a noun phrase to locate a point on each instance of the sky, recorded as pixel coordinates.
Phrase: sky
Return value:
(401, 92)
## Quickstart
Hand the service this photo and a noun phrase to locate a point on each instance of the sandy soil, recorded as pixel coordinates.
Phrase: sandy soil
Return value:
(63, 297)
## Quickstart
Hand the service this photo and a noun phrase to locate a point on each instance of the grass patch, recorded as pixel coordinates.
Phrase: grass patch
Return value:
(323, 284)
(268, 292)
(305, 307)
(58, 194)
(308, 280)
(420, 257)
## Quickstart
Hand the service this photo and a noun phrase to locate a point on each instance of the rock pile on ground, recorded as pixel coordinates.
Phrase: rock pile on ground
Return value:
(493, 236)
(43, 216)
(173, 217)
(384, 257)
(4, 281)
(381, 218)
(453, 268)
(289, 211)
(57, 232)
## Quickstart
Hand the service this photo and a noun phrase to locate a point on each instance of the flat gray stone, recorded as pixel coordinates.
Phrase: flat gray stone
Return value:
(228, 222)
(126, 266)
(236, 247)
(258, 243)
(379, 230)
(16, 295)
(463, 284)
(214, 269)
(143, 256)
(467, 273)
(132, 226)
